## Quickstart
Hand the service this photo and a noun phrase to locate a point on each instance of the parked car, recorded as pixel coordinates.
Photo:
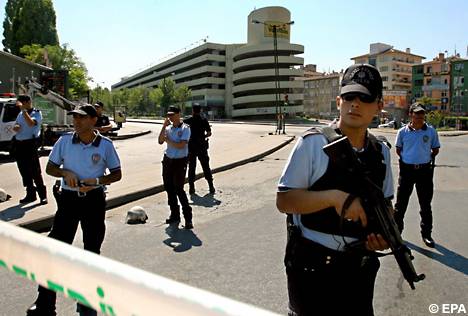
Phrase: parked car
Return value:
(390, 124)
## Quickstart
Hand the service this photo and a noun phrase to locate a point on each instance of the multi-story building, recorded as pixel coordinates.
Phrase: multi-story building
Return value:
(237, 80)
(431, 80)
(395, 67)
(320, 94)
(459, 87)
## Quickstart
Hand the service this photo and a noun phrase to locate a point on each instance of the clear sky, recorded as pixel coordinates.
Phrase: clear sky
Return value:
(116, 38)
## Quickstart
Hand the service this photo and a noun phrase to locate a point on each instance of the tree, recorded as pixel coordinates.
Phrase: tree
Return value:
(181, 95)
(61, 58)
(11, 12)
(29, 22)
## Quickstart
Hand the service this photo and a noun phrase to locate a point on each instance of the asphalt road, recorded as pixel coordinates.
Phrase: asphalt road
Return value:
(236, 248)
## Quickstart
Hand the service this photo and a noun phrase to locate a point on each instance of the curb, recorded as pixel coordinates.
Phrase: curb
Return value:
(121, 137)
(44, 224)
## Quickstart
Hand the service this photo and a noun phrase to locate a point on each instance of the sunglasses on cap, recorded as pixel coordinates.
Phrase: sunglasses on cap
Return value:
(364, 98)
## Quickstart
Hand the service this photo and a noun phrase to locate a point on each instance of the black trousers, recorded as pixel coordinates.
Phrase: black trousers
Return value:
(173, 173)
(204, 159)
(72, 209)
(420, 176)
(27, 159)
(322, 281)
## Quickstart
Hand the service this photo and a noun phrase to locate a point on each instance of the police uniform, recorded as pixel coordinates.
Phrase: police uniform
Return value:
(73, 207)
(198, 147)
(26, 143)
(323, 276)
(174, 169)
(416, 169)
(102, 120)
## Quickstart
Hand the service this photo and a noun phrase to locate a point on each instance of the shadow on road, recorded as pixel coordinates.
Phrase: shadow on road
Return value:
(181, 239)
(16, 211)
(208, 200)
(445, 256)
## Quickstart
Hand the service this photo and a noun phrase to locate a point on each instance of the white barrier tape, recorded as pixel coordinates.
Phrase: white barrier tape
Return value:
(110, 287)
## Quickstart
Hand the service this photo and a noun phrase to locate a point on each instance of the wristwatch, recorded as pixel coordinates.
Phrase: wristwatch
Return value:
(97, 181)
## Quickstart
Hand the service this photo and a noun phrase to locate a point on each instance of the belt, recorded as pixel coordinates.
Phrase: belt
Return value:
(417, 166)
(173, 159)
(80, 194)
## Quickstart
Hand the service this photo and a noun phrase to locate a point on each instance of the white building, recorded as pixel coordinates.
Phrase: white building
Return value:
(237, 80)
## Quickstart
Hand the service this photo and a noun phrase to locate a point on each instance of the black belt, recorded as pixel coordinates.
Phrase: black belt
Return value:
(417, 166)
(81, 194)
(173, 159)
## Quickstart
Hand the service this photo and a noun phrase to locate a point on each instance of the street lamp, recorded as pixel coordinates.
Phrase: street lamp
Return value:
(274, 26)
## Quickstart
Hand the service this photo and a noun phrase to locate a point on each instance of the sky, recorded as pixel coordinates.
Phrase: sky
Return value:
(116, 38)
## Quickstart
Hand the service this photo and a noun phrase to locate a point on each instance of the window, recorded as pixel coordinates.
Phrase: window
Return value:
(445, 81)
(429, 81)
(11, 112)
(444, 93)
(384, 68)
(418, 82)
(384, 78)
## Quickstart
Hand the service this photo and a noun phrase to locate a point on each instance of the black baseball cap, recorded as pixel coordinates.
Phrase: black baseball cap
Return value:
(99, 103)
(417, 107)
(86, 109)
(173, 109)
(23, 98)
(362, 78)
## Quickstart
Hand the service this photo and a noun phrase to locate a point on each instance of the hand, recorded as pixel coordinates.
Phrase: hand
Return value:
(376, 242)
(19, 104)
(70, 179)
(167, 122)
(16, 127)
(89, 182)
(355, 211)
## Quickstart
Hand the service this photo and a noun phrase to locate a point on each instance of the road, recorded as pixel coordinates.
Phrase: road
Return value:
(236, 248)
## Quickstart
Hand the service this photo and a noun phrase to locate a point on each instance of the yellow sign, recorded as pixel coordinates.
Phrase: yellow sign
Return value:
(282, 29)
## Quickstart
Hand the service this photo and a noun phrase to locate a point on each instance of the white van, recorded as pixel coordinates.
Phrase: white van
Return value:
(8, 114)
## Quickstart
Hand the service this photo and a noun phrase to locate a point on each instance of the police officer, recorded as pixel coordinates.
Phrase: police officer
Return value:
(103, 124)
(200, 130)
(417, 145)
(26, 142)
(176, 135)
(325, 276)
(81, 160)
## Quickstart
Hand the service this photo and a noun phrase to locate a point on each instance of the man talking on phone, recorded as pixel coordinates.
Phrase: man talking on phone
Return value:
(176, 135)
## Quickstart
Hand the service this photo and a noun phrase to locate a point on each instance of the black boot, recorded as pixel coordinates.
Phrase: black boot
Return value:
(427, 239)
(191, 188)
(212, 188)
(30, 195)
(39, 310)
(42, 192)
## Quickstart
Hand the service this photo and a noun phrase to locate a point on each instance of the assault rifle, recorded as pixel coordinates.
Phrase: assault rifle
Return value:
(378, 211)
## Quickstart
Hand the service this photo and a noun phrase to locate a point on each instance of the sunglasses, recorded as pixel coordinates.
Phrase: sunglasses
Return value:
(364, 98)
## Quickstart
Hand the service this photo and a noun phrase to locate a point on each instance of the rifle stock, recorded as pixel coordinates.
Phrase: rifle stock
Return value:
(378, 211)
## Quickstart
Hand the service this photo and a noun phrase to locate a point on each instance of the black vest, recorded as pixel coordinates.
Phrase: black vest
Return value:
(327, 220)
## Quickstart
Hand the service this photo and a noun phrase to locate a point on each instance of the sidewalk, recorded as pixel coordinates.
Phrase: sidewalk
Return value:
(139, 179)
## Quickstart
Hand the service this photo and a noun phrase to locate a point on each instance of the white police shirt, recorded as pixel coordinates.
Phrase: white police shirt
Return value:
(306, 164)
(177, 134)
(29, 132)
(84, 160)
(416, 145)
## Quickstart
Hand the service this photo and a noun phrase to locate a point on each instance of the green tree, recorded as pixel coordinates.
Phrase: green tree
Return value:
(182, 94)
(435, 118)
(11, 13)
(61, 58)
(29, 22)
